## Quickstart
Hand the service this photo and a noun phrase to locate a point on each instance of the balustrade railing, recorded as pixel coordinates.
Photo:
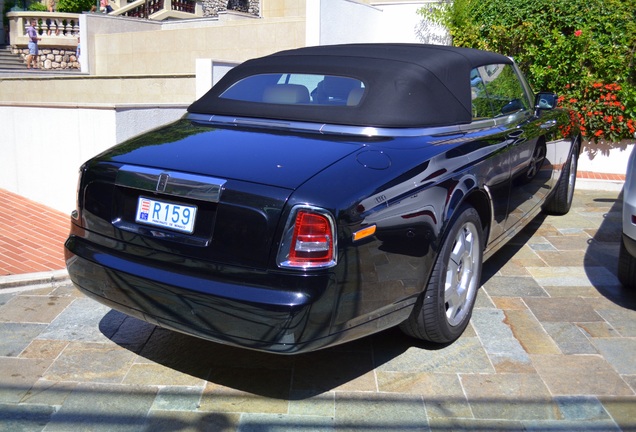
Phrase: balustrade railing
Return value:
(58, 29)
(146, 8)
(187, 6)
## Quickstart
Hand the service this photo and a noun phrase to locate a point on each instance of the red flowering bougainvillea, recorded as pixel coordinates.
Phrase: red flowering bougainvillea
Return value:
(599, 112)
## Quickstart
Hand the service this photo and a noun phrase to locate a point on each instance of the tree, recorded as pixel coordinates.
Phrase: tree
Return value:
(582, 49)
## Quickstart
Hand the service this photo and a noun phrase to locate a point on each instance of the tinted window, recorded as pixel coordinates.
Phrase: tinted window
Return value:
(496, 91)
(296, 88)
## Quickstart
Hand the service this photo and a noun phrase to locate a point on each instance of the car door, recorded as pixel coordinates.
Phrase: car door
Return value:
(530, 170)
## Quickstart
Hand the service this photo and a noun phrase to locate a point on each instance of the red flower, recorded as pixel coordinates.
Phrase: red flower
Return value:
(578, 33)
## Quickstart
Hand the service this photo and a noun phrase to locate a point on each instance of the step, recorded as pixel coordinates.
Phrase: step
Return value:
(8, 60)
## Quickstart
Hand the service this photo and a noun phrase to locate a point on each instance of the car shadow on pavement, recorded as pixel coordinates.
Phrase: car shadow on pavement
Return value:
(275, 376)
(345, 367)
(602, 252)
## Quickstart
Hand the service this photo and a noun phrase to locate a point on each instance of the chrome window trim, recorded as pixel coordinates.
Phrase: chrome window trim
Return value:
(173, 183)
(334, 129)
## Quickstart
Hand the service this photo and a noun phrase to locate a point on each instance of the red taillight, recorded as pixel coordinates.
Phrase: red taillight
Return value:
(310, 241)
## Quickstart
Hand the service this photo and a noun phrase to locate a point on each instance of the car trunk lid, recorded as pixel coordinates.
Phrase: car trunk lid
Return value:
(229, 185)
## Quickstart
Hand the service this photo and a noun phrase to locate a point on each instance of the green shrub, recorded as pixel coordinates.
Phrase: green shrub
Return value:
(75, 6)
(572, 47)
(37, 7)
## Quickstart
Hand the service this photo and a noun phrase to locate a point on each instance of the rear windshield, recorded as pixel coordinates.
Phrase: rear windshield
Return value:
(297, 89)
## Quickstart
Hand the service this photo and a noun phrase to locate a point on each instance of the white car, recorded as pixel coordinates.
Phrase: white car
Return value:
(627, 254)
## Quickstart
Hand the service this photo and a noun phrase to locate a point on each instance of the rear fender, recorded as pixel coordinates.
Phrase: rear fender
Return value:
(467, 191)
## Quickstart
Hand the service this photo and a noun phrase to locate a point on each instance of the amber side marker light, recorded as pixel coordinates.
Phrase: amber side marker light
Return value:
(364, 232)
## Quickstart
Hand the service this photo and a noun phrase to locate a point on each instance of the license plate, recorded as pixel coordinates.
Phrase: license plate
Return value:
(172, 216)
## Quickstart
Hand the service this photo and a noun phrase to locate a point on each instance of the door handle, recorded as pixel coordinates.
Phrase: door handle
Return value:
(549, 124)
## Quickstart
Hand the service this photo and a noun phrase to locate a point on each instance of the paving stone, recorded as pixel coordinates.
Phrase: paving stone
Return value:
(33, 309)
(564, 309)
(84, 320)
(573, 276)
(483, 300)
(502, 347)
(455, 424)
(562, 258)
(18, 376)
(527, 257)
(622, 410)
(466, 355)
(615, 351)
(284, 423)
(442, 393)
(573, 291)
(17, 336)
(91, 362)
(586, 408)
(631, 381)
(578, 426)
(513, 287)
(4, 298)
(132, 333)
(45, 392)
(305, 403)
(379, 412)
(570, 243)
(104, 407)
(225, 399)
(24, 418)
(157, 374)
(569, 338)
(196, 357)
(598, 329)
(509, 303)
(177, 398)
(187, 421)
(529, 332)
(43, 349)
(542, 247)
(329, 370)
(580, 375)
(623, 320)
(509, 397)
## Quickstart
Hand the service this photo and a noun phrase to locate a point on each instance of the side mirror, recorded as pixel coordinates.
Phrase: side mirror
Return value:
(545, 101)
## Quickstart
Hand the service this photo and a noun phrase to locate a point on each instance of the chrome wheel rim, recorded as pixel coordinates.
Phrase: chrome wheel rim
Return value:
(461, 281)
(535, 163)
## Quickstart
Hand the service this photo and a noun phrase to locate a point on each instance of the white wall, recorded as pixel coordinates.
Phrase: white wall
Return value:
(42, 147)
(345, 21)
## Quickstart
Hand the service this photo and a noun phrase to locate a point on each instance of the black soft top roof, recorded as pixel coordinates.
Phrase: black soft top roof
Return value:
(406, 85)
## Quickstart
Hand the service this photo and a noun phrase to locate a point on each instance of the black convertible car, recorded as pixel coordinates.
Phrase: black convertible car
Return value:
(318, 195)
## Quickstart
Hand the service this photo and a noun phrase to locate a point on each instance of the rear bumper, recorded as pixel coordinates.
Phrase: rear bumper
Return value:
(292, 318)
(630, 245)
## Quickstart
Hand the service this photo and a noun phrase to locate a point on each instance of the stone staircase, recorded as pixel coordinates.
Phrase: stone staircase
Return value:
(10, 61)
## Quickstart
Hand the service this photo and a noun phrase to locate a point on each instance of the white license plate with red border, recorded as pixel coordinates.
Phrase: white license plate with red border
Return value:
(177, 217)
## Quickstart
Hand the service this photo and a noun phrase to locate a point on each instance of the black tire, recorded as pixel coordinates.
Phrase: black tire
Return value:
(561, 200)
(626, 268)
(443, 310)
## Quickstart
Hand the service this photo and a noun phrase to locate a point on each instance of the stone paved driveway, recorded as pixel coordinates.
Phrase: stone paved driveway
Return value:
(551, 346)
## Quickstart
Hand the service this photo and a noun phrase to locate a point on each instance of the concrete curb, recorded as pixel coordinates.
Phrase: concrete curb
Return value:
(31, 280)
(599, 185)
